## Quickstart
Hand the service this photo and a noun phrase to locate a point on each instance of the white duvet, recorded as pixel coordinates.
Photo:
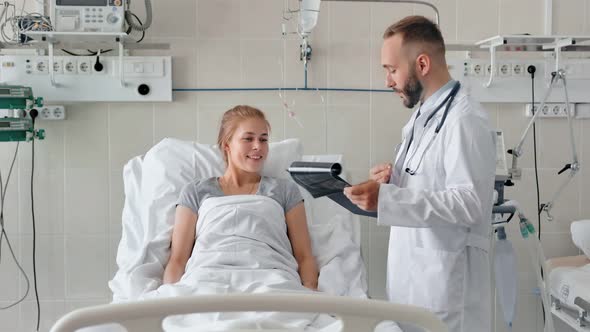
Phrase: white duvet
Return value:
(241, 246)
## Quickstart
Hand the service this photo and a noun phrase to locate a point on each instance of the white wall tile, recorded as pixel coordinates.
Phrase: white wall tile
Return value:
(72, 305)
(86, 201)
(252, 27)
(311, 128)
(178, 120)
(86, 135)
(86, 267)
(208, 122)
(349, 65)
(12, 282)
(12, 201)
(477, 19)
(219, 64)
(262, 69)
(218, 19)
(558, 245)
(116, 202)
(179, 20)
(569, 17)
(113, 246)
(49, 261)
(558, 151)
(48, 198)
(349, 21)
(10, 317)
(348, 134)
(523, 16)
(51, 311)
(125, 142)
(388, 117)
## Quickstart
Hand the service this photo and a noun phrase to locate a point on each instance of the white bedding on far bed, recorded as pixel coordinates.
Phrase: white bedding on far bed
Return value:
(567, 282)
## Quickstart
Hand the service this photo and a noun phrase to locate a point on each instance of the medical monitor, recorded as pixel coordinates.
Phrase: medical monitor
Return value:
(88, 15)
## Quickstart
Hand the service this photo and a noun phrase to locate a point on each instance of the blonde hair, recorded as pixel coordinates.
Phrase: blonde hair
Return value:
(230, 121)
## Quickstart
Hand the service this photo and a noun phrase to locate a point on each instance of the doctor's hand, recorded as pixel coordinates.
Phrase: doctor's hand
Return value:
(364, 195)
(380, 173)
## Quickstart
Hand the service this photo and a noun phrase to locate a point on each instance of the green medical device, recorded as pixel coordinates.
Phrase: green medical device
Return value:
(17, 114)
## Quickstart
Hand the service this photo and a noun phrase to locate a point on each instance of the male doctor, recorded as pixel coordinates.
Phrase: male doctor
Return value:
(437, 197)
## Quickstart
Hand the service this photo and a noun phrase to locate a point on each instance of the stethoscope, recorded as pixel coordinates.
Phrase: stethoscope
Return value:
(447, 101)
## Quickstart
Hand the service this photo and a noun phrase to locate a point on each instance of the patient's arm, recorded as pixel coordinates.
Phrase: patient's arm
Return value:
(301, 243)
(183, 240)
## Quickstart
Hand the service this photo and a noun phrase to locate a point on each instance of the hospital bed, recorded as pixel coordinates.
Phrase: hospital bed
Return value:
(569, 282)
(152, 185)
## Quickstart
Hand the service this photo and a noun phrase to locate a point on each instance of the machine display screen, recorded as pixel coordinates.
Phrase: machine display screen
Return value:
(4, 124)
(81, 2)
(4, 91)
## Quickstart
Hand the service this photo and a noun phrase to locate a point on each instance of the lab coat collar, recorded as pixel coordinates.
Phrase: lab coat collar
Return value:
(430, 104)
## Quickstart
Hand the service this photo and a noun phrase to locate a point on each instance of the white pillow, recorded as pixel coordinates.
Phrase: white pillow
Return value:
(581, 235)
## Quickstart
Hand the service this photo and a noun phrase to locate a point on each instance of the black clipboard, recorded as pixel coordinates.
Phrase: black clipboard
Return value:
(323, 179)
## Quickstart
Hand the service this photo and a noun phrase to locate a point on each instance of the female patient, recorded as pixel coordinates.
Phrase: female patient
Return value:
(243, 140)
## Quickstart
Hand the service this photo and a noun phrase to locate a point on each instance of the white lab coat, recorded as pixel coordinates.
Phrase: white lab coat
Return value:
(440, 217)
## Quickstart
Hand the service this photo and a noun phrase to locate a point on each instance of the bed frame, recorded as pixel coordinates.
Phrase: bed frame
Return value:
(356, 314)
(576, 318)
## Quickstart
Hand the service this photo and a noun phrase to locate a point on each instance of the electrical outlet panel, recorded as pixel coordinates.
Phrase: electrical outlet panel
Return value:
(82, 79)
(550, 110)
(52, 112)
(512, 83)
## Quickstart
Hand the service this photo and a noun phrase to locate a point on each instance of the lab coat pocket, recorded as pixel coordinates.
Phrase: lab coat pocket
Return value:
(438, 277)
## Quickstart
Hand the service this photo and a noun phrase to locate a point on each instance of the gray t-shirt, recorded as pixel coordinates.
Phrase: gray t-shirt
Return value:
(285, 192)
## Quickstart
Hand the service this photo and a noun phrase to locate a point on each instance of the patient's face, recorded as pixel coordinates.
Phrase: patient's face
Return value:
(248, 147)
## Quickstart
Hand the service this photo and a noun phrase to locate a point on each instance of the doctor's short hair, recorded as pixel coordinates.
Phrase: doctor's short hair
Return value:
(231, 120)
(418, 30)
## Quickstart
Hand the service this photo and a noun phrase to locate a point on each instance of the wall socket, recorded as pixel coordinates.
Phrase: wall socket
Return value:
(52, 112)
(551, 110)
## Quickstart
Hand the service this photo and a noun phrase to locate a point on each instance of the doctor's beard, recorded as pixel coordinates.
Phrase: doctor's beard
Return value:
(412, 90)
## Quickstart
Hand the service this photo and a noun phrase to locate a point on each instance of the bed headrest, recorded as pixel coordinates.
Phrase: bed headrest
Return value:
(581, 235)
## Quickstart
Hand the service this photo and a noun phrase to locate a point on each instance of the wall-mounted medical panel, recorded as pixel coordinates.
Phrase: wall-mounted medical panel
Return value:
(512, 82)
(84, 79)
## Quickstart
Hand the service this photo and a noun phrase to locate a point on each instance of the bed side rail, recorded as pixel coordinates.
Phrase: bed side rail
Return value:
(356, 314)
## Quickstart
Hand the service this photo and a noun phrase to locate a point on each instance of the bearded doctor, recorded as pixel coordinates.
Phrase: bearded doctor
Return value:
(437, 196)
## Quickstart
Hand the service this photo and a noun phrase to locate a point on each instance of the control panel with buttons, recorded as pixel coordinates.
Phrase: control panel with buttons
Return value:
(88, 15)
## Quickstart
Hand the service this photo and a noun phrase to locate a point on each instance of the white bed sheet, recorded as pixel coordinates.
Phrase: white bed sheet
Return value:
(566, 283)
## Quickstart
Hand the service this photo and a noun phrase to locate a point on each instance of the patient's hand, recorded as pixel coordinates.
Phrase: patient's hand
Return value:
(381, 173)
(313, 285)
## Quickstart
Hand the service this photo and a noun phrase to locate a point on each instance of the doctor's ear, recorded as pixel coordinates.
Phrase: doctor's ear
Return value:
(423, 64)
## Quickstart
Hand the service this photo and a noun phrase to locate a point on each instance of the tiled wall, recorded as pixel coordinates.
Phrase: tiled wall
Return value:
(238, 43)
